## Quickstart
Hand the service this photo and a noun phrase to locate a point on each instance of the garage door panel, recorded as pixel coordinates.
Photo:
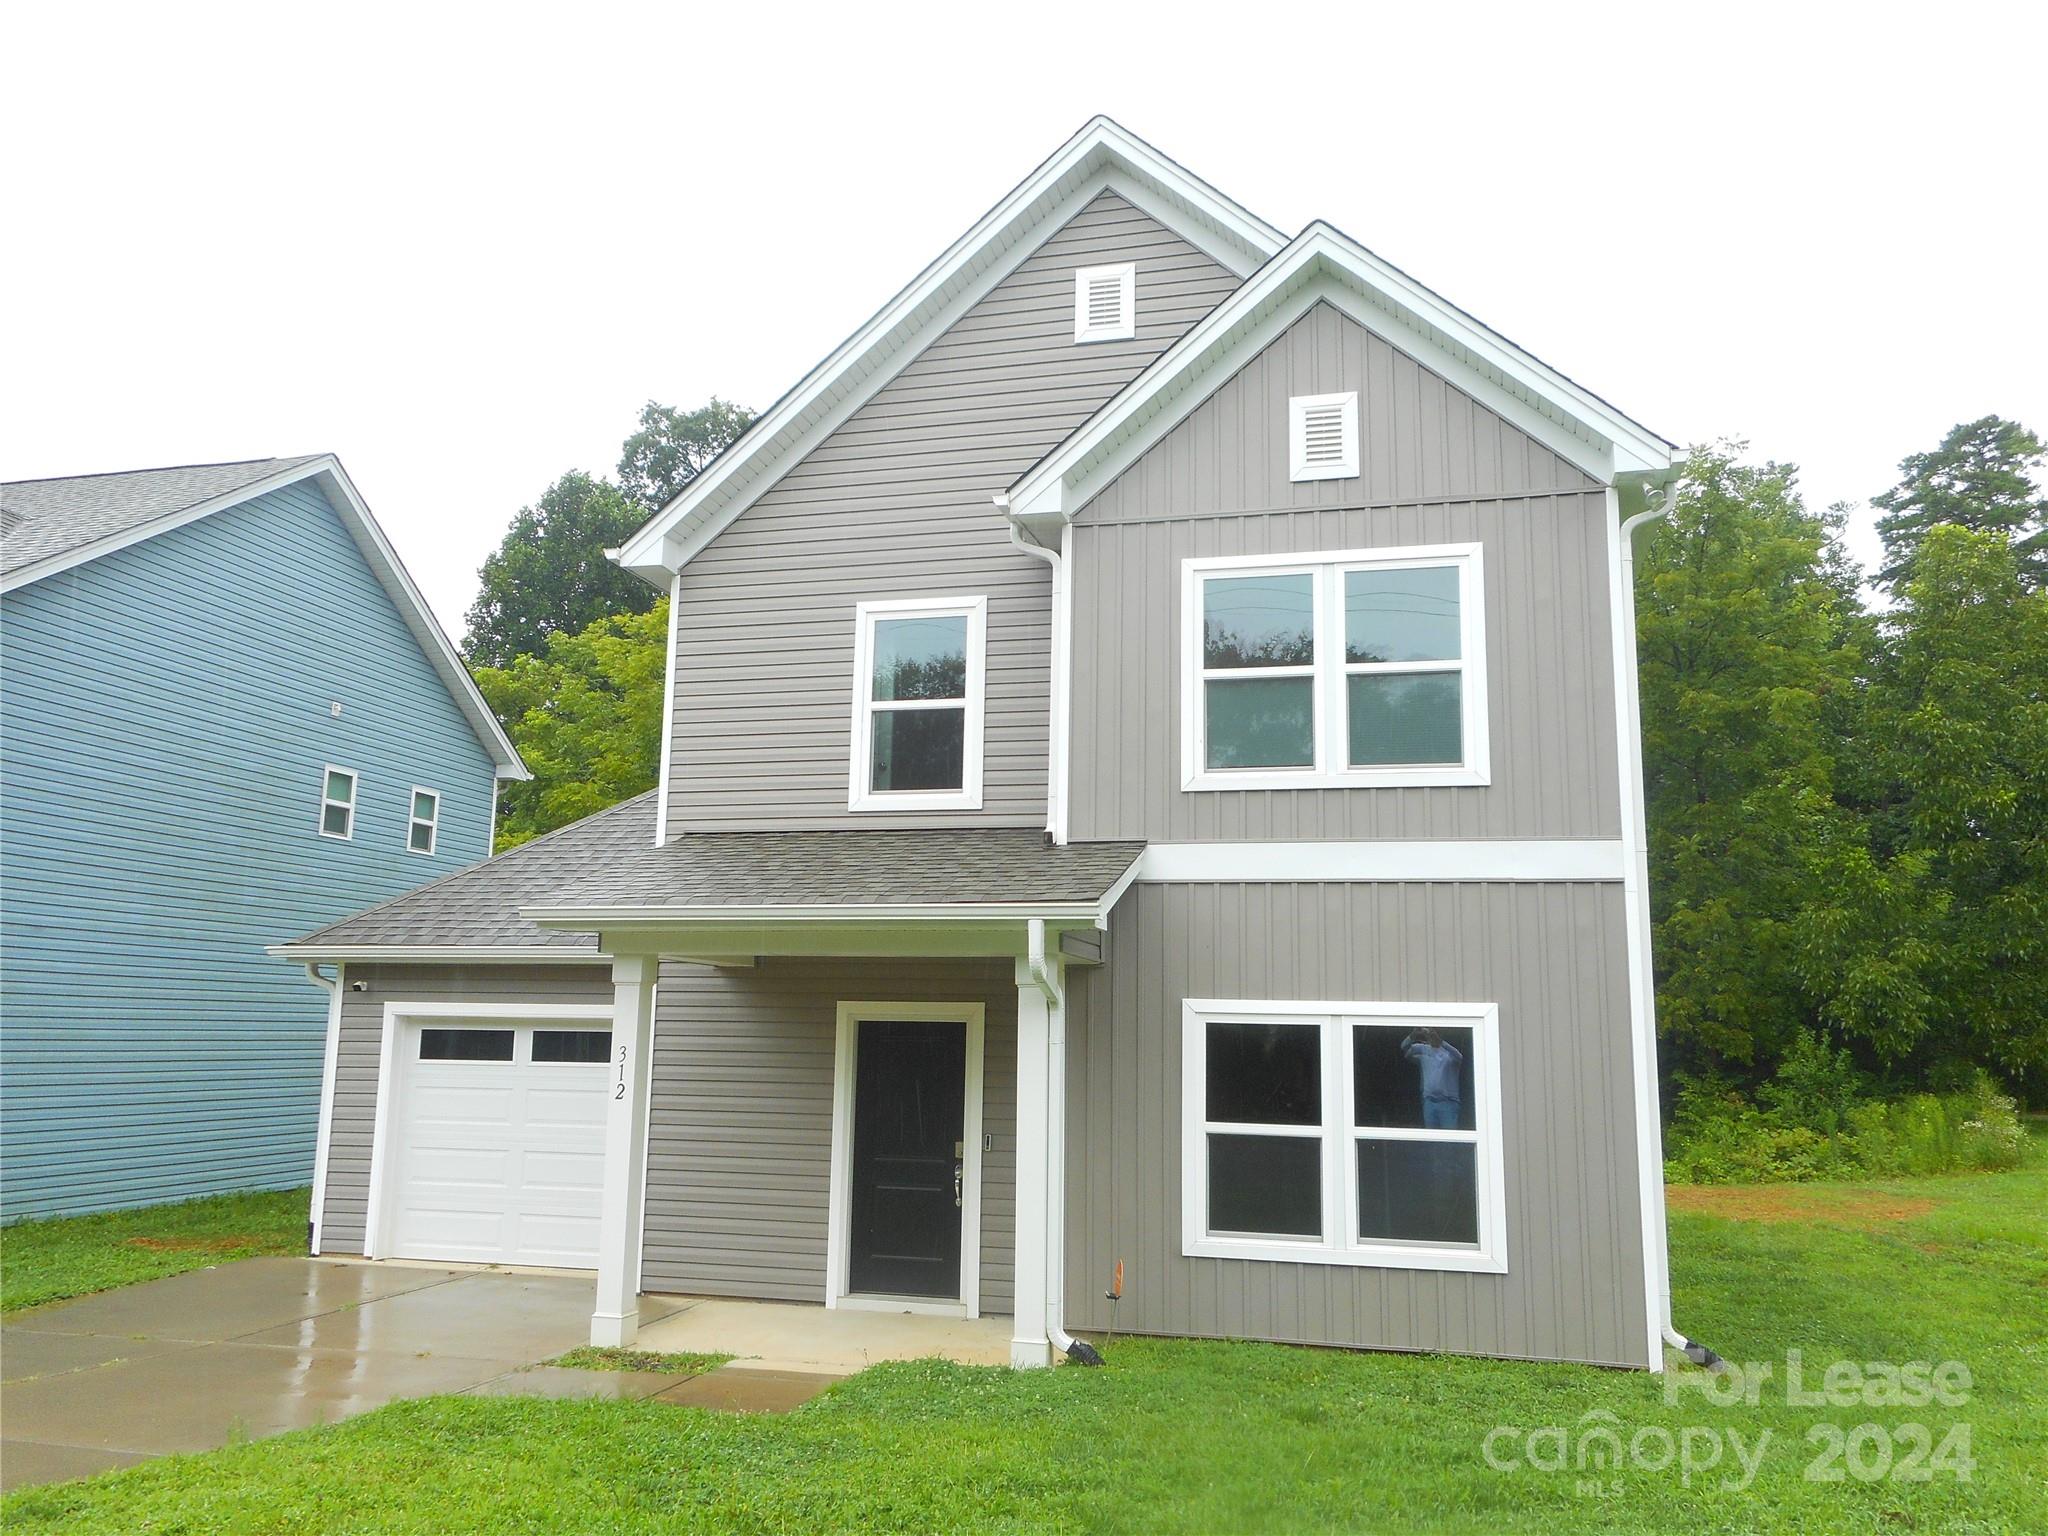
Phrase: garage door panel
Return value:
(498, 1161)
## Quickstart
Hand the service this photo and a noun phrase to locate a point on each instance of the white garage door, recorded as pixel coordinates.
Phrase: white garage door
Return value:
(499, 1142)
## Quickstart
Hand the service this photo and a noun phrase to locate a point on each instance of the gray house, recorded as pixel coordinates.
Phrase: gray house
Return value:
(1151, 776)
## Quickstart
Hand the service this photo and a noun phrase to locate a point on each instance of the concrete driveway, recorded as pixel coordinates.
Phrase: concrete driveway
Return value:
(257, 1348)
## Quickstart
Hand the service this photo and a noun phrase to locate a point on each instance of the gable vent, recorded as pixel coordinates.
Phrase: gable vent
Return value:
(1105, 307)
(1323, 436)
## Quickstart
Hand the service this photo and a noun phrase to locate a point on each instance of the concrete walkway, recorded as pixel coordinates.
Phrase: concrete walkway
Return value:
(794, 1337)
(259, 1347)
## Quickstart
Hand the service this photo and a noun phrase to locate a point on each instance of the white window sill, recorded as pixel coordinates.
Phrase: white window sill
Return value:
(1471, 1261)
(915, 800)
(1427, 776)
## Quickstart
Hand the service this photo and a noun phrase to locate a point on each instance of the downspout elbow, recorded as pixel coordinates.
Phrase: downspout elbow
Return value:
(1055, 747)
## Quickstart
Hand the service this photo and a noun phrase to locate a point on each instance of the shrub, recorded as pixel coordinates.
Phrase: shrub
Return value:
(1816, 1126)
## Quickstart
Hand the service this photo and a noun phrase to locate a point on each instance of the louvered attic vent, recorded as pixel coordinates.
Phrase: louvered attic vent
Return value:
(1105, 302)
(1323, 436)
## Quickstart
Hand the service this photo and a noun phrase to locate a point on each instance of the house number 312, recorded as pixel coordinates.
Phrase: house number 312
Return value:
(619, 1092)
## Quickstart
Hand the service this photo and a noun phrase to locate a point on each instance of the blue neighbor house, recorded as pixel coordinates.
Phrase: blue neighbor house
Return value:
(226, 717)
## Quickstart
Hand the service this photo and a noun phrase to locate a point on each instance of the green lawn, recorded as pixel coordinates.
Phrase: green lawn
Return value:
(1244, 1437)
(76, 1255)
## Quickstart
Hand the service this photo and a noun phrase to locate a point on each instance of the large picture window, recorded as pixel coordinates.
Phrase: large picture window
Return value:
(1343, 1133)
(1364, 667)
(917, 706)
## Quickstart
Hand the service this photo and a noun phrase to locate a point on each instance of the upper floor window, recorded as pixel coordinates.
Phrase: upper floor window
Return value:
(1355, 668)
(1343, 1133)
(1322, 437)
(338, 803)
(917, 707)
(425, 822)
(1106, 302)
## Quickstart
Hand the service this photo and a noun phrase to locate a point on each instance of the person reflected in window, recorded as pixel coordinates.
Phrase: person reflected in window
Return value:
(1442, 1100)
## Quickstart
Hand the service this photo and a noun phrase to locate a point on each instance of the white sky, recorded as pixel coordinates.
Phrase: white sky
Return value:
(461, 246)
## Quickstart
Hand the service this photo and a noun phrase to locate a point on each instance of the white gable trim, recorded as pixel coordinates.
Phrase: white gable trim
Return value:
(1101, 156)
(1324, 266)
(376, 550)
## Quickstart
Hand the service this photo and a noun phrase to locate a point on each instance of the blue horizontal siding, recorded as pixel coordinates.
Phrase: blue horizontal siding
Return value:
(164, 723)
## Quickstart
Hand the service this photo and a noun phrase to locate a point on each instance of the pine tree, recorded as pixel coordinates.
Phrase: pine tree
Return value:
(1981, 478)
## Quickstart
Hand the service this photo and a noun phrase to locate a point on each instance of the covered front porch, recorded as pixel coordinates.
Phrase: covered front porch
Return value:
(853, 1104)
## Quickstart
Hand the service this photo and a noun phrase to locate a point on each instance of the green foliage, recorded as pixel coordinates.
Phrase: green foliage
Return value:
(550, 576)
(1812, 1124)
(64, 1256)
(597, 1357)
(586, 716)
(1980, 478)
(672, 447)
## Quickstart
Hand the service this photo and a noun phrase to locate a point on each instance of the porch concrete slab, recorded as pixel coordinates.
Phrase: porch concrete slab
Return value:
(206, 1306)
(740, 1389)
(485, 1315)
(834, 1341)
(25, 1463)
(28, 1353)
(197, 1399)
(557, 1381)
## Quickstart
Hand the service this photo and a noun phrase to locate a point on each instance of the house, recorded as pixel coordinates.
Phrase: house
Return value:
(1151, 778)
(225, 712)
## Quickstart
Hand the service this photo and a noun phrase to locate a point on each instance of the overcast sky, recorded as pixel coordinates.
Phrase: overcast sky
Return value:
(461, 246)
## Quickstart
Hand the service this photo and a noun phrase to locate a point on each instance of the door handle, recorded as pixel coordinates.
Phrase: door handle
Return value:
(959, 1174)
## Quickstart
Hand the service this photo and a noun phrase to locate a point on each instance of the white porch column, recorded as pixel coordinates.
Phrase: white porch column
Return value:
(1028, 1343)
(616, 1319)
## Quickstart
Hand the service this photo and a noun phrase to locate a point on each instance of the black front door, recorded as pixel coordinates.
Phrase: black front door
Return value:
(909, 1101)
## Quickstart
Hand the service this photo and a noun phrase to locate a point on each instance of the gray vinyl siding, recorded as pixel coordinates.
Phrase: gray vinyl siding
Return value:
(1436, 468)
(1552, 958)
(739, 1159)
(896, 503)
(346, 1206)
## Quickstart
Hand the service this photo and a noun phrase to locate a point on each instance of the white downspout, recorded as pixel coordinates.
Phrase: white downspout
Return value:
(331, 1059)
(1053, 987)
(1636, 895)
(1056, 725)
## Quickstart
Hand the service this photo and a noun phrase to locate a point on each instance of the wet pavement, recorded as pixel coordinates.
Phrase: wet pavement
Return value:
(259, 1347)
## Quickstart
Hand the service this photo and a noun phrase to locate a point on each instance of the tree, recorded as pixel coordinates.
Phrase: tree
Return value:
(672, 447)
(586, 716)
(551, 576)
(1742, 643)
(1981, 478)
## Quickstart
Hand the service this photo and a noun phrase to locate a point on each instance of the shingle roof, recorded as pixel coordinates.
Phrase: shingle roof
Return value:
(480, 906)
(968, 866)
(42, 518)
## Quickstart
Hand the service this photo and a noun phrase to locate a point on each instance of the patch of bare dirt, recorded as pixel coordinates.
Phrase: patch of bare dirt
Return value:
(226, 1244)
(1865, 1208)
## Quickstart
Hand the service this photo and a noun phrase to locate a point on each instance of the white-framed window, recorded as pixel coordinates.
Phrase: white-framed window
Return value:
(1343, 1133)
(425, 820)
(1352, 668)
(337, 802)
(1106, 302)
(1322, 437)
(918, 686)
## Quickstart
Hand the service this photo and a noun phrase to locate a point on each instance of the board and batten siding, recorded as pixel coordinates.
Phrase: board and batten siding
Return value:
(1552, 957)
(896, 503)
(360, 1049)
(1436, 467)
(165, 716)
(739, 1156)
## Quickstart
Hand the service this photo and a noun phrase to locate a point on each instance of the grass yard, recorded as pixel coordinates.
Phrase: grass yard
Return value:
(1244, 1437)
(77, 1255)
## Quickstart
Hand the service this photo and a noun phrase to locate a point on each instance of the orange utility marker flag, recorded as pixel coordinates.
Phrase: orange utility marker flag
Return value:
(1113, 1295)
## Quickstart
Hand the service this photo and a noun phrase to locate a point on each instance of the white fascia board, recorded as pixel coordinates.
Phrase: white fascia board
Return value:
(1322, 265)
(586, 919)
(375, 549)
(1102, 155)
(426, 954)
(1403, 860)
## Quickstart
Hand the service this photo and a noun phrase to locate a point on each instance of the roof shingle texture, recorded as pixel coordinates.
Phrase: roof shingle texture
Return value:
(855, 868)
(42, 518)
(480, 906)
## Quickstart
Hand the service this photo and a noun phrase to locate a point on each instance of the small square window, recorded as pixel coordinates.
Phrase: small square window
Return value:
(572, 1045)
(424, 824)
(465, 1045)
(1106, 302)
(338, 804)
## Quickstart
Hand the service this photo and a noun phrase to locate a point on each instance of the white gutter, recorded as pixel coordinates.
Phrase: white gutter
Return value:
(1636, 903)
(1057, 694)
(322, 1134)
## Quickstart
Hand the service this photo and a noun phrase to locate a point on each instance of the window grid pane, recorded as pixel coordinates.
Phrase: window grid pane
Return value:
(1260, 722)
(1398, 718)
(334, 819)
(920, 658)
(1402, 614)
(341, 787)
(1266, 1185)
(1266, 620)
(917, 749)
(424, 805)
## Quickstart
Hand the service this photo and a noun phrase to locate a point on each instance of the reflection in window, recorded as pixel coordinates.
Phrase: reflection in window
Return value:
(918, 724)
